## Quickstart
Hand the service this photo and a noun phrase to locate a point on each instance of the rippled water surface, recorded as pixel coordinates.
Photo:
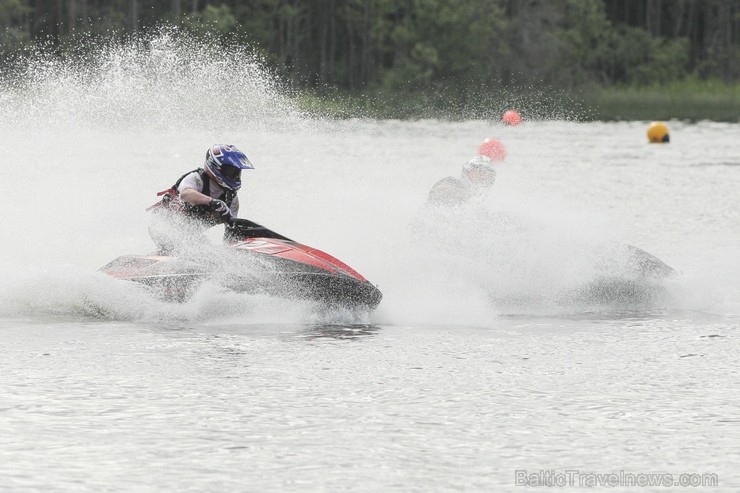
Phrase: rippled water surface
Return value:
(514, 334)
(365, 407)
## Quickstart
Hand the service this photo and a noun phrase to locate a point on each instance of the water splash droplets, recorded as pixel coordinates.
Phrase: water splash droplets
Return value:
(163, 80)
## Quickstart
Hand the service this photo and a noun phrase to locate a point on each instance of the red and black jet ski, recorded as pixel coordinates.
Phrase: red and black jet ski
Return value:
(254, 260)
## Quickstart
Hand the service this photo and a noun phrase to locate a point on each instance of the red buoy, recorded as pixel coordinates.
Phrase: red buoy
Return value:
(492, 149)
(512, 117)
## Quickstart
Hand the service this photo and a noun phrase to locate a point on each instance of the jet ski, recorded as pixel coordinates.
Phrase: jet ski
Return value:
(631, 277)
(254, 260)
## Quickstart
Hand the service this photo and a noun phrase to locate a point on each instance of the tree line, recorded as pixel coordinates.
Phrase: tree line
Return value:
(364, 45)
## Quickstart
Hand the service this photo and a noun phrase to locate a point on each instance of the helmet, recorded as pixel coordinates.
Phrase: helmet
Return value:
(225, 163)
(479, 171)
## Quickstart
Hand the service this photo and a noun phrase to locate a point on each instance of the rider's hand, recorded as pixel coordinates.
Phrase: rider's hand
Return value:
(220, 207)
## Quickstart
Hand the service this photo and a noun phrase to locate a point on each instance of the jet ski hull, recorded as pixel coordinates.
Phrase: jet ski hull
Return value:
(266, 264)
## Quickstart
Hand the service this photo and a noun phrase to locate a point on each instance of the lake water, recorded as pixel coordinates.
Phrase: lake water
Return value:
(486, 362)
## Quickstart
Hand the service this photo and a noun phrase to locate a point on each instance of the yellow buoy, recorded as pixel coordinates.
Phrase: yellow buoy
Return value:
(658, 133)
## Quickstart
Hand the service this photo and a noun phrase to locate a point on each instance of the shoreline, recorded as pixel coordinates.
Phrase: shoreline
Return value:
(689, 102)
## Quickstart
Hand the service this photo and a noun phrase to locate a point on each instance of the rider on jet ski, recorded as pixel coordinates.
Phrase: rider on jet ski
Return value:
(477, 177)
(198, 200)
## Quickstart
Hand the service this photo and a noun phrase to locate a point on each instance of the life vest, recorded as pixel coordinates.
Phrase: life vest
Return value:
(170, 200)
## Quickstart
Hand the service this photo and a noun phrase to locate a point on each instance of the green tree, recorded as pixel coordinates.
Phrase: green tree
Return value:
(15, 34)
(641, 59)
(589, 41)
(211, 21)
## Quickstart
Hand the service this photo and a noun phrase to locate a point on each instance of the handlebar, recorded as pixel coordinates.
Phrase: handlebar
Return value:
(240, 229)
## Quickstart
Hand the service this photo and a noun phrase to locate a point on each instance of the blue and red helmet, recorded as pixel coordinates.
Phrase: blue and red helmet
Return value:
(479, 171)
(225, 163)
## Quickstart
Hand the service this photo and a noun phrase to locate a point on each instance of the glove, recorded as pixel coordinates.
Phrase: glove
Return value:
(220, 207)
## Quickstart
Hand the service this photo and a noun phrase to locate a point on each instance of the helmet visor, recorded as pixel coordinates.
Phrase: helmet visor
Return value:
(231, 173)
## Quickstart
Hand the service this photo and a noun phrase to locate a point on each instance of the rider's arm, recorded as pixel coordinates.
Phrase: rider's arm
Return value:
(192, 196)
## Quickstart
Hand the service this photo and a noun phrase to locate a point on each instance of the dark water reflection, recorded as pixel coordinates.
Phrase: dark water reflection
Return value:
(280, 331)
(338, 332)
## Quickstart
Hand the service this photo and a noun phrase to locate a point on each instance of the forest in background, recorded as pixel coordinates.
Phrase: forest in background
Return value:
(406, 58)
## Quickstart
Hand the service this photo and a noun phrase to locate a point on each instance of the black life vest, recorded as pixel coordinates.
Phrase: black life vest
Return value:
(202, 212)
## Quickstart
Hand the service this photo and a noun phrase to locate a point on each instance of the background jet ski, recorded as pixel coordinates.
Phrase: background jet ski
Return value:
(255, 260)
(523, 264)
